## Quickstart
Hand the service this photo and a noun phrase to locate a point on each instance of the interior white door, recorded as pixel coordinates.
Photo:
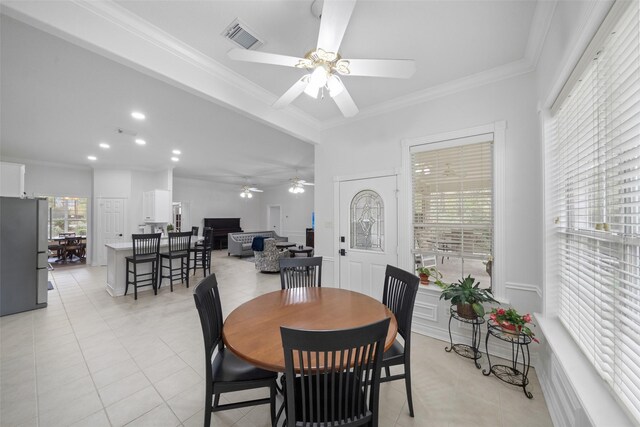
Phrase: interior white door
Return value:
(111, 222)
(368, 233)
(274, 219)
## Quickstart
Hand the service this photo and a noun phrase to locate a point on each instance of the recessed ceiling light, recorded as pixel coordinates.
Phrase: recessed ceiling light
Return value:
(138, 115)
(140, 141)
(176, 152)
(175, 159)
(104, 145)
(92, 158)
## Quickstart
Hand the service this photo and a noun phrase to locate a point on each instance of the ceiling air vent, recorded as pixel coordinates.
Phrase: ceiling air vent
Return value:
(241, 35)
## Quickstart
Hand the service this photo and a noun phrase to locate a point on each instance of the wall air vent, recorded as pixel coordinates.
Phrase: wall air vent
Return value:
(240, 34)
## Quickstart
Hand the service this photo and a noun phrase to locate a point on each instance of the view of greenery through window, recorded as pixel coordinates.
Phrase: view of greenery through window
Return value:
(67, 215)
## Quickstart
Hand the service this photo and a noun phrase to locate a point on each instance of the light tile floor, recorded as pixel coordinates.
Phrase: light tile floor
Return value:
(92, 360)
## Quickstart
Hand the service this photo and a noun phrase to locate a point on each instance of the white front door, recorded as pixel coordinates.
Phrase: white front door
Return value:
(368, 233)
(274, 219)
(111, 222)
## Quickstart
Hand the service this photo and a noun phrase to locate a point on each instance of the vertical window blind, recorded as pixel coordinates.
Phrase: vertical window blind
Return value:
(594, 174)
(453, 198)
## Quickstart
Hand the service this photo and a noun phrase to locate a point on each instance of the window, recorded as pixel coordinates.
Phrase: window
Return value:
(367, 221)
(594, 180)
(67, 215)
(452, 206)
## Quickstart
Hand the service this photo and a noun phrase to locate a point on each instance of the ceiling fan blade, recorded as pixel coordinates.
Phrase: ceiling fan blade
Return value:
(292, 93)
(263, 57)
(345, 103)
(333, 24)
(393, 68)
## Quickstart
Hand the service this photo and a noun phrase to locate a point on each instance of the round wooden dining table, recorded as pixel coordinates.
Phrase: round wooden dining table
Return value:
(252, 331)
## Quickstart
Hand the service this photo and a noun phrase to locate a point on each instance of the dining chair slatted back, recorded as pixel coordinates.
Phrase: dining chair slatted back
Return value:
(333, 377)
(399, 294)
(207, 299)
(226, 372)
(207, 233)
(179, 242)
(300, 272)
(146, 244)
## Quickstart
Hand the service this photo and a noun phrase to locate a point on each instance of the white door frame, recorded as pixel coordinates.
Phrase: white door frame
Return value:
(99, 237)
(336, 211)
(269, 218)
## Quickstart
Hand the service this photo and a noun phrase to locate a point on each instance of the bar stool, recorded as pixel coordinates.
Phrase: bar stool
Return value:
(202, 252)
(146, 249)
(179, 245)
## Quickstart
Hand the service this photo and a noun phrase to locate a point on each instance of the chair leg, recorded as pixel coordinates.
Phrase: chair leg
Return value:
(186, 275)
(171, 273)
(272, 404)
(154, 274)
(126, 286)
(207, 407)
(407, 383)
(135, 281)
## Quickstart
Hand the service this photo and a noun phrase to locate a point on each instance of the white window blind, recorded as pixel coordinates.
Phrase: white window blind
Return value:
(453, 198)
(594, 173)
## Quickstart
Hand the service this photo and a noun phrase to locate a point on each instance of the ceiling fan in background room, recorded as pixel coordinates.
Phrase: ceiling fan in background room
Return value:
(297, 185)
(325, 63)
(246, 191)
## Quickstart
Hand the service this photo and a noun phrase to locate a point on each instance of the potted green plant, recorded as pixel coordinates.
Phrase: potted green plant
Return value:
(425, 272)
(169, 228)
(468, 297)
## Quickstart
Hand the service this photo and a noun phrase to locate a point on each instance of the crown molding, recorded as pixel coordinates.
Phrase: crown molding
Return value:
(483, 78)
(539, 29)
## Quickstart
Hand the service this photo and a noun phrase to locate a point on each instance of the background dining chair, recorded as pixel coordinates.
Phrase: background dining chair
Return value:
(339, 392)
(399, 294)
(146, 249)
(179, 245)
(226, 372)
(194, 230)
(201, 252)
(300, 272)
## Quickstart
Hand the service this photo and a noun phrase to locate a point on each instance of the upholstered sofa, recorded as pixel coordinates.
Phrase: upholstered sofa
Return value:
(269, 258)
(239, 244)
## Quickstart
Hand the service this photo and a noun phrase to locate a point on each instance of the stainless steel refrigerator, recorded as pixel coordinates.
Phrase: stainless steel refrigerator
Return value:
(23, 254)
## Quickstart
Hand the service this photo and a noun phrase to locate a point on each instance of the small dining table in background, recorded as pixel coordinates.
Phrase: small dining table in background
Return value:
(252, 331)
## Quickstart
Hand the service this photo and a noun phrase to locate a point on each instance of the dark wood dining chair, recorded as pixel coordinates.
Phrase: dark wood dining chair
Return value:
(194, 230)
(333, 377)
(399, 294)
(226, 372)
(300, 272)
(202, 252)
(179, 245)
(146, 250)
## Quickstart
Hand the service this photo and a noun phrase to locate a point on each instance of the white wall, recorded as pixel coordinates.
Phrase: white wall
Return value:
(295, 209)
(11, 179)
(54, 180)
(214, 200)
(370, 145)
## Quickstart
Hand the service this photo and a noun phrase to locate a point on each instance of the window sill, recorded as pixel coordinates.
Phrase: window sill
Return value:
(593, 393)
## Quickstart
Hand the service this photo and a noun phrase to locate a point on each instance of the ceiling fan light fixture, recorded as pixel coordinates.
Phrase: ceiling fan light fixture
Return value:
(312, 90)
(319, 76)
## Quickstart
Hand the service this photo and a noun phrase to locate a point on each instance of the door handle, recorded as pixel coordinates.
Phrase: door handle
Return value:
(342, 252)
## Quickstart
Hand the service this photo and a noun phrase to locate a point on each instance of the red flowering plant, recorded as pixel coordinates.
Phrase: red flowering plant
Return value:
(511, 320)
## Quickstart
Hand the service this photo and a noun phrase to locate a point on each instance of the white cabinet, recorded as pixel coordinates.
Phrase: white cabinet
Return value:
(11, 179)
(156, 206)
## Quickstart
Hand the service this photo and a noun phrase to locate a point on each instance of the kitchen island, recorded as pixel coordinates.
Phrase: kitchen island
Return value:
(117, 265)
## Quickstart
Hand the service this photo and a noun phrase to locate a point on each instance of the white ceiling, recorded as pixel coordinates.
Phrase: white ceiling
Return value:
(60, 100)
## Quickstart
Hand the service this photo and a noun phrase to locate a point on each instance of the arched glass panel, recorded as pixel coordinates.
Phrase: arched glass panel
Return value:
(367, 221)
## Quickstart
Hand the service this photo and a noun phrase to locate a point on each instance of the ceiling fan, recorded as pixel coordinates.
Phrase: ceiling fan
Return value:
(325, 63)
(246, 191)
(297, 185)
